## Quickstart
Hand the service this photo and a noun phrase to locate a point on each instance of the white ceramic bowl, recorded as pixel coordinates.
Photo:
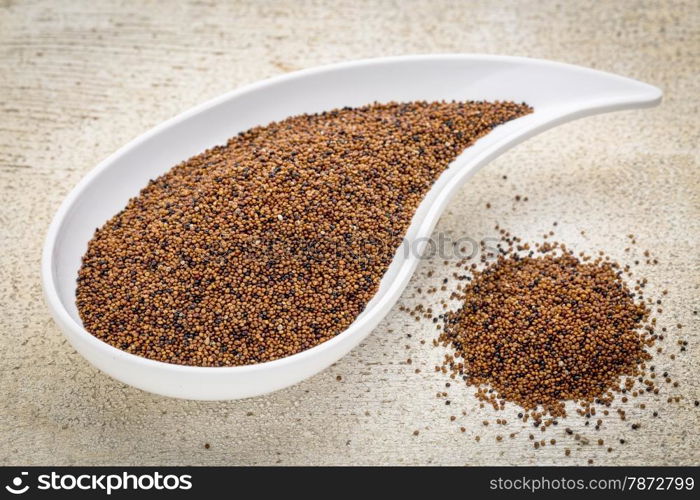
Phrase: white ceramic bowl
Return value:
(558, 93)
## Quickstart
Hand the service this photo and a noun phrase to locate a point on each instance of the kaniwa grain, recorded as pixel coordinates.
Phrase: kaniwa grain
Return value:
(274, 242)
(543, 328)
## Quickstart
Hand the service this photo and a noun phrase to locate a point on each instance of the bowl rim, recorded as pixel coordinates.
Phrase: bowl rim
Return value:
(66, 321)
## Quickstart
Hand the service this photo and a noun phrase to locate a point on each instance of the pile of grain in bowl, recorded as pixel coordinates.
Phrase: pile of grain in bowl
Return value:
(275, 242)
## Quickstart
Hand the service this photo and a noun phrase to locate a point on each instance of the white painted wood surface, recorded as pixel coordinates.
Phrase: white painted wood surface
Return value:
(80, 78)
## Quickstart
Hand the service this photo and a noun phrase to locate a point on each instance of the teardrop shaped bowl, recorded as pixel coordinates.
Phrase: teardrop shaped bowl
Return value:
(557, 92)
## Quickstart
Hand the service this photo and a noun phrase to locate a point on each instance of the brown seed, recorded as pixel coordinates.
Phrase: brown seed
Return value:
(274, 242)
(546, 329)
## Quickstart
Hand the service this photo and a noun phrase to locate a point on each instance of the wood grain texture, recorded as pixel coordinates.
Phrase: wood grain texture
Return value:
(81, 78)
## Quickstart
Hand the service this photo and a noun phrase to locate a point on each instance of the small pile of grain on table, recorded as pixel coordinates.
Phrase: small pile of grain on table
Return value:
(546, 327)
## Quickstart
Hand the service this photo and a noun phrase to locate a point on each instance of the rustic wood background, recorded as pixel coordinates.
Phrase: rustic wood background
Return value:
(81, 78)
